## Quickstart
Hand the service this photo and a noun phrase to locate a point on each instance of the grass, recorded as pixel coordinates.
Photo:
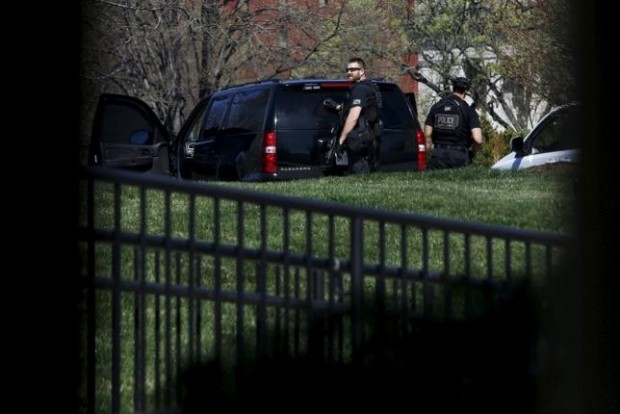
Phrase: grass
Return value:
(540, 199)
(537, 200)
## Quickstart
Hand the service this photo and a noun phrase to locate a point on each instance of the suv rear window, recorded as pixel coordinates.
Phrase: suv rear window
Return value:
(394, 106)
(301, 106)
(247, 111)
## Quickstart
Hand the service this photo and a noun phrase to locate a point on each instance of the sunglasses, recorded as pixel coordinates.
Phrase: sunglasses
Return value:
(352, 69)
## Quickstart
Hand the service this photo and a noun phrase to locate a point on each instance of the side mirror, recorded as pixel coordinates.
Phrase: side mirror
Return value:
(516, 145)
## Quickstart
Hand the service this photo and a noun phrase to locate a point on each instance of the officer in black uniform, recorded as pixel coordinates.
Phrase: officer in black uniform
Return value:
(361, 131)
(453, 127)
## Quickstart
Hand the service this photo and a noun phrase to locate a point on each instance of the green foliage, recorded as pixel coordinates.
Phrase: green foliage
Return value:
(381, 44)
(518, 56)
(496, 144)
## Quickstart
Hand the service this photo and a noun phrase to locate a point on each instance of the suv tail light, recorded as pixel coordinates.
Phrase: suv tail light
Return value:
(421, 141)
(270, 154)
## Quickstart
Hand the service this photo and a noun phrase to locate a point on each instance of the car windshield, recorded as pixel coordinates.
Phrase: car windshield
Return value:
(558, 132)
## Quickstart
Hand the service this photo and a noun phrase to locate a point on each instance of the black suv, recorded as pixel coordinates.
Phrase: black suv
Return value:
(278, 129)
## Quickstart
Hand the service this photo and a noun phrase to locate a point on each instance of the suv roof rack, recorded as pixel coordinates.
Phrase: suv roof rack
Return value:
(290, 81)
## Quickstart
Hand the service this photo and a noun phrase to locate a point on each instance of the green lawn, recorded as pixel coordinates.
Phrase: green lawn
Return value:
(540, 199)
(537, 200)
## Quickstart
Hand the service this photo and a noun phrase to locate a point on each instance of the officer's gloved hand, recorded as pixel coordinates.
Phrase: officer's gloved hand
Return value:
(330, 103)
(339, 147)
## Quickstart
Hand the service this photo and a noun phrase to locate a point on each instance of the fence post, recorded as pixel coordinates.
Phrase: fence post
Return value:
(357, 266)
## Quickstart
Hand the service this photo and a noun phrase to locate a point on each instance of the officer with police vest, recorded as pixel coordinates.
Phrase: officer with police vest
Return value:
(362, 127)
(453, 127)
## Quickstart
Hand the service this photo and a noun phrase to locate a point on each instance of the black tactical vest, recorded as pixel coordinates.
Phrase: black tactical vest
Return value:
(371, 113)
(448, 119)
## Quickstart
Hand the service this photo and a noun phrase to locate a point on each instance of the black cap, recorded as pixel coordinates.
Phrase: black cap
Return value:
(460, 83)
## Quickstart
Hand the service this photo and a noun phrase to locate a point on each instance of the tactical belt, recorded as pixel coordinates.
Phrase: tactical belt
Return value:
(451, 146)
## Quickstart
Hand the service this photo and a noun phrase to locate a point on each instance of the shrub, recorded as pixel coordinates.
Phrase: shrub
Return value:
(496, 144)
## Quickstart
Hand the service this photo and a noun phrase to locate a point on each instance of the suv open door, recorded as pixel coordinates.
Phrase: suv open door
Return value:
(128, 135)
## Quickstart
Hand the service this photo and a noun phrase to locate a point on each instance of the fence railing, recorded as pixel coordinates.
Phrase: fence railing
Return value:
(189, 283)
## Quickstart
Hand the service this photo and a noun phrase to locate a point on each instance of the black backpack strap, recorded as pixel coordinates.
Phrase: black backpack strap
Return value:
(463, 114)
(378, 100)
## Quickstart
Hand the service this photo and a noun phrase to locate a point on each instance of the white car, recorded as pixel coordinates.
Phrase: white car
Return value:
(553, 140)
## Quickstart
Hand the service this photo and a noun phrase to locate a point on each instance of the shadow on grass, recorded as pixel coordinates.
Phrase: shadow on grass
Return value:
(484, 364)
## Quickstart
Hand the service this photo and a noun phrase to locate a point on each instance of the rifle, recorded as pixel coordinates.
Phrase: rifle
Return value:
(335, 154)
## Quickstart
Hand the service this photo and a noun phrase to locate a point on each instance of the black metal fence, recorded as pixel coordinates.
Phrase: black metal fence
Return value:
(200, 293)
